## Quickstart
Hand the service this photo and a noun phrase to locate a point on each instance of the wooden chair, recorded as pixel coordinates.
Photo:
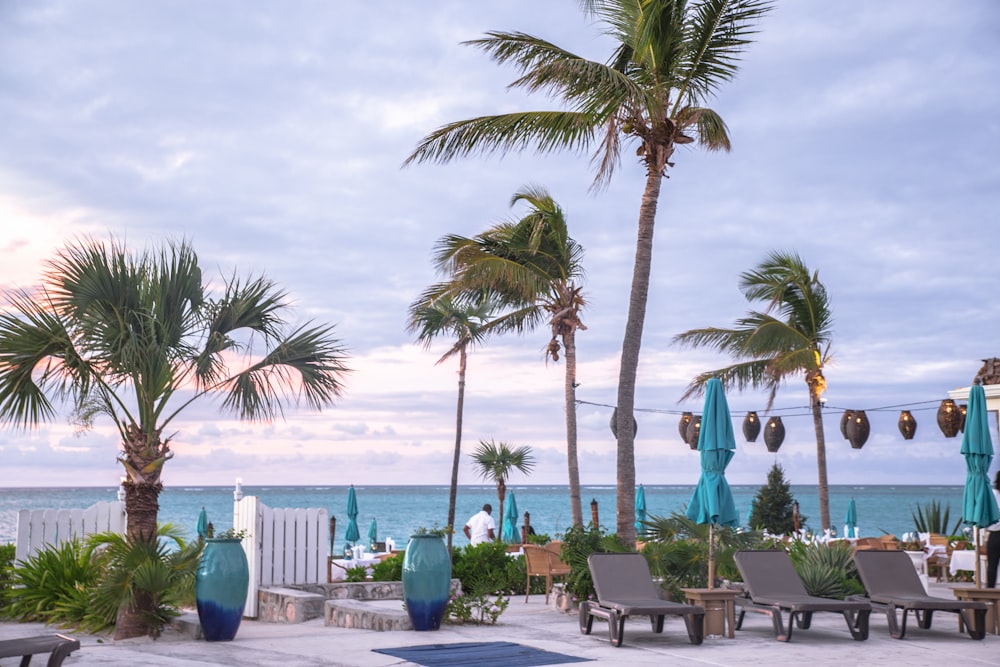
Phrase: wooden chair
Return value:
(889, 543)
(542, 562)
(937, 564)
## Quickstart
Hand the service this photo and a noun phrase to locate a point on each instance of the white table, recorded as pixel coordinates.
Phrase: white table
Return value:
(964, 560)
(340, 565)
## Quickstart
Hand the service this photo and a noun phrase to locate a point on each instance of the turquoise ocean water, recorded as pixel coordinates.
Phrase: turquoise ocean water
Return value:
(401, 509)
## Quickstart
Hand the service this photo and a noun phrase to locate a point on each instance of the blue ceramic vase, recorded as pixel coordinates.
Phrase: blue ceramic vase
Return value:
(221, 588)
(426, 581)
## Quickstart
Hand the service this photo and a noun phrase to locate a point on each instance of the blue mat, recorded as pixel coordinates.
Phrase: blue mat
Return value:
(480, 654)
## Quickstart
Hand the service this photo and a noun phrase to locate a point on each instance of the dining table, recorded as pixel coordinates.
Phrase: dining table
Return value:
(340, 566)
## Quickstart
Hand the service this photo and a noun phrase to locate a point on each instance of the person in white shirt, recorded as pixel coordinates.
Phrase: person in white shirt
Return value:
(993, 542)
(481, 527)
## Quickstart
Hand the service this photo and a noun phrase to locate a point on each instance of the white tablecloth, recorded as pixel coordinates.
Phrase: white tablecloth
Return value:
(340, 566)
(963, 560)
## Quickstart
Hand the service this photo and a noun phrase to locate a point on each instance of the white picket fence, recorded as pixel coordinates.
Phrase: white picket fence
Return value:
(283, 546)
(37, 529)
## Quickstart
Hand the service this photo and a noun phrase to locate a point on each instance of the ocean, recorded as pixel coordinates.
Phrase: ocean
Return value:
(399, 510)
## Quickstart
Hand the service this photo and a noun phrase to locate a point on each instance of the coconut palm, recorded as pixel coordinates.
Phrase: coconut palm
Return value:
(434, 315)
(791, 336)
(138, 338)
(495, 461)
(670, 57)
(531, 266)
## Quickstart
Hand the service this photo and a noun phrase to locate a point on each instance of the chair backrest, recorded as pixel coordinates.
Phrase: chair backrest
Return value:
(555, 546)
(889, 542)
(868, 544)
(622, 577)
(769, 574)
(888, 573)
(536, 559)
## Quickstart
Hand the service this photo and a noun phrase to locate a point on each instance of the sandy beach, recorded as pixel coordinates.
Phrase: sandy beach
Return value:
(533, 624)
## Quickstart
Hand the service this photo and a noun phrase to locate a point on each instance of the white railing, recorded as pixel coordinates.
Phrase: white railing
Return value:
(283, 546)
(37, 529)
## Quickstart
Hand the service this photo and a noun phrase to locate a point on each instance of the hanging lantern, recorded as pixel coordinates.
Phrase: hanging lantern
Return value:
(751, 426)
(962, 409)
(907, 425)
(844, 419)
(614, 424)
(682, 426)
(858, 429)
(694, 428)
(949, 418)
(774, 434)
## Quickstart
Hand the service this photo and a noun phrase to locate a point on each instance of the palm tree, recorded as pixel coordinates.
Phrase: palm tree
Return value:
(433, 315)
(531, 267)
(671, 56)
(495, 461)
(792, 335)
(138, 338)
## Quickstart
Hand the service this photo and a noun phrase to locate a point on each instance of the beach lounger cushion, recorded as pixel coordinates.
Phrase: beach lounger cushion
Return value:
(625, 588)
(773, 587)
(893, 586)
(57, 646)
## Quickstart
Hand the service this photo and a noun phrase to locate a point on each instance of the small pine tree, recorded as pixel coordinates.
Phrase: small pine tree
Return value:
(772, 506)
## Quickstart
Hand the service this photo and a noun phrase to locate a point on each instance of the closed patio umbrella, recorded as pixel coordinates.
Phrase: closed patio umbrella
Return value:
(373, 533)
(979, 507)
(712, 501)
(851, 520)
(352, 534)
(202, 526)
(640, 509)
(509, 532)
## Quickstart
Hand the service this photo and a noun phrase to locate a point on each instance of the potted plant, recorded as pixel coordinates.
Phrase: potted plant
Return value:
(426, 578)
(221, 585)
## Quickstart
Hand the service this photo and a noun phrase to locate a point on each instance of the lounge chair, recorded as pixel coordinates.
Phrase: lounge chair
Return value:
(625, 588)
(893, 585)
(773, 586)
(57, 646)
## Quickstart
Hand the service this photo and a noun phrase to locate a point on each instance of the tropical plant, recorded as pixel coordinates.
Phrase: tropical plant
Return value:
(137, 338)
(389, 569)
(670, 56)
(577, 545)
(487, 568)
(791, 336)
(774, 506)
(433, 315)
(7, 555)
(826, 569)
(530, 266)
(933, 518)
(53, 586)
(495, 461)
(155, 577)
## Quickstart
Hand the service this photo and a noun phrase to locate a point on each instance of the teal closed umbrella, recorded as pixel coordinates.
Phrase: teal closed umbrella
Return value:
(979, 507)
(373, 533)
(712, 501)
(509, 533)
(352, 534)
(851, 520)
(202, 526)
(640, 509)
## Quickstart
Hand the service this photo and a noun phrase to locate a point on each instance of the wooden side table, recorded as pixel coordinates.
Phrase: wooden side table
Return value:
(991, 596)
(720, 609)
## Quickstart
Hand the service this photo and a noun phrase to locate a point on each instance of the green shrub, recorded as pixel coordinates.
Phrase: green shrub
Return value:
(7, 552)
(356, 573)
(578, 544)
(826, 570)
(487, 566)
(52, 586)
(389, 569)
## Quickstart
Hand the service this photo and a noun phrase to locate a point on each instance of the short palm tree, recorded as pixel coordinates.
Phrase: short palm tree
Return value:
(495, 461)
(670, 57)
(137, 338)
(791, 336)
(531, 267)
(434, 315)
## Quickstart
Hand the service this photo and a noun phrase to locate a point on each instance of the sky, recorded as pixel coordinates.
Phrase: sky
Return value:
(272, 135)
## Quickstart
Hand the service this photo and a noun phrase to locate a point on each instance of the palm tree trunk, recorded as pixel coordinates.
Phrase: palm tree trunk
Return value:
(141, 508)
(630, 357)
(453, 490)
(569, 348)
(824, 486)
(501, 495)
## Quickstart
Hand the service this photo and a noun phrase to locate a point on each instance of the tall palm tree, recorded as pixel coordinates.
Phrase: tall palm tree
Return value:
(434, 315)
(495, 461)
(670, 57)
(138, 338)
(791, 336)
(531, 266)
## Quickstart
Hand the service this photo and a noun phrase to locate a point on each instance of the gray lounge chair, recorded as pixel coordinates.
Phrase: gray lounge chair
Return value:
(625, 588)
(893, 585)
(57, 646)
(773, 586)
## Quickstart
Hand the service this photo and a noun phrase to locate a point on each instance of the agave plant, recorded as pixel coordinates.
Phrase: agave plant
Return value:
(826, 570)
(931, 518)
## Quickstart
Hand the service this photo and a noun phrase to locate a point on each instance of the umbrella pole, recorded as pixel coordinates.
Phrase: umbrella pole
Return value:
(975, 533)
(711, 556)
